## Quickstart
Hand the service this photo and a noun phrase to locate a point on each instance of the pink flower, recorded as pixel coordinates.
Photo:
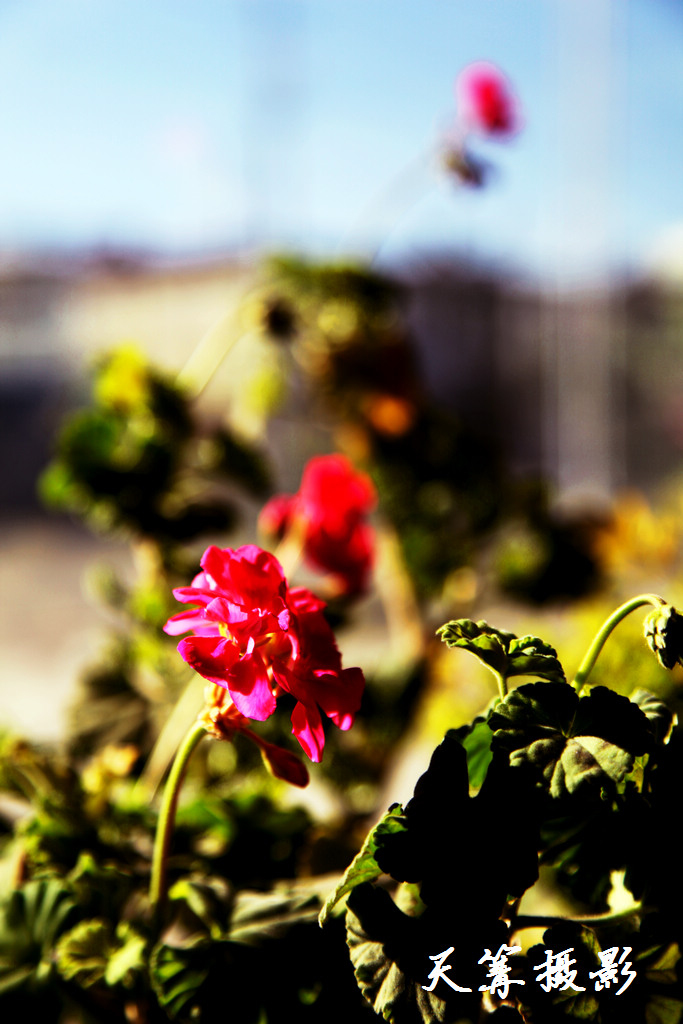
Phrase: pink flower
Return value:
(256, 637)
(330, 508)
(486, 101)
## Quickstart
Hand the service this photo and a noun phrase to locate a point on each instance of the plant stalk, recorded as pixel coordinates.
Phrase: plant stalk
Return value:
(166, 822)
(601, 636)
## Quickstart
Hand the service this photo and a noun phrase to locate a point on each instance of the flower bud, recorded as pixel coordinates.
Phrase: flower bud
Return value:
(283, 764)
(664, 634)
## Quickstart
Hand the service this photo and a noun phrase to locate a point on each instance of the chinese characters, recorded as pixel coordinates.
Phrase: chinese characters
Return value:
(557, 972)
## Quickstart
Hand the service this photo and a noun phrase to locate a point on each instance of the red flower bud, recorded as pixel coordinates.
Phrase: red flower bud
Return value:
(485, 100)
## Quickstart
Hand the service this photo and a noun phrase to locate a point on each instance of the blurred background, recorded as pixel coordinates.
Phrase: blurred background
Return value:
(154, 154)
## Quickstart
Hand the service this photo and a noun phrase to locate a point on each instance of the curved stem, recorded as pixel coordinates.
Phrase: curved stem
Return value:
(608, 625)
(502, 683)
(162, 839)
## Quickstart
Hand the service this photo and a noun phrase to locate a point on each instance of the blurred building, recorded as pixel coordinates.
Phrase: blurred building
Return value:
(583, 387)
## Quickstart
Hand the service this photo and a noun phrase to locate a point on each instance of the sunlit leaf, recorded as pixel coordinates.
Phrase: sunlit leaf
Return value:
(503, 652)
(82, 954)
(476, 739)
(128, 959)
(364, 867)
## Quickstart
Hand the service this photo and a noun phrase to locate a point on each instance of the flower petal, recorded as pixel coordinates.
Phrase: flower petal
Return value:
(307, 726)
(192, 595)
(212, 657)
(249, 687)
(340, 696)
(221, 610)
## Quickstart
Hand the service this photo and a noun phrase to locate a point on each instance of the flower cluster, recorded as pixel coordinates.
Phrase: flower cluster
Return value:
(255, 636)
(330, 512)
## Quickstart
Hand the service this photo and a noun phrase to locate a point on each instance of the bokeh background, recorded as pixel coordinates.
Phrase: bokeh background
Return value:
(154, 153)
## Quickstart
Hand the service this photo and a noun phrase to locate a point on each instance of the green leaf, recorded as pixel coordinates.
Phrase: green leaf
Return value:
(563, 1004)
(529, 656)
(434, 820)
(82, 954)
(129, 960)
(364, 867)
(393, 993)
(177, 974)
(90, 953)
(31, 921)
(661, 718)
(476, 739)
(257, 916)
(504, 653)
(214, 980)
(663, 1010)
(100, 889)
(449, 835)
(571, 742)
(207, 899)
(659, 967)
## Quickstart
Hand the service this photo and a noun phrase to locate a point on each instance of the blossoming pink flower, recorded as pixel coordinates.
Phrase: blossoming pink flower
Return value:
(486, 101)
(331, 509)
(257, 637)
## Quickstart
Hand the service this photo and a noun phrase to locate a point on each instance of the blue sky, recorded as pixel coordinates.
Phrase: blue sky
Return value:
(221, 124)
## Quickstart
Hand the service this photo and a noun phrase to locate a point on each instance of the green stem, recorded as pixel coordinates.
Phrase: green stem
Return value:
(162, 839)
(608, 625)
(502, 683)
(599, 920)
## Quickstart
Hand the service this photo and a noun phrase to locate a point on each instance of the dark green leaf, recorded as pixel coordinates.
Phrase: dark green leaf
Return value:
(177, 975)
(31, 921)
(433, 821)
(208, 901)
(394, 994)
(571, 742)
(448, 836)
(101, 890)
(661, 718)
(562, 1003)
(663, 1010)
